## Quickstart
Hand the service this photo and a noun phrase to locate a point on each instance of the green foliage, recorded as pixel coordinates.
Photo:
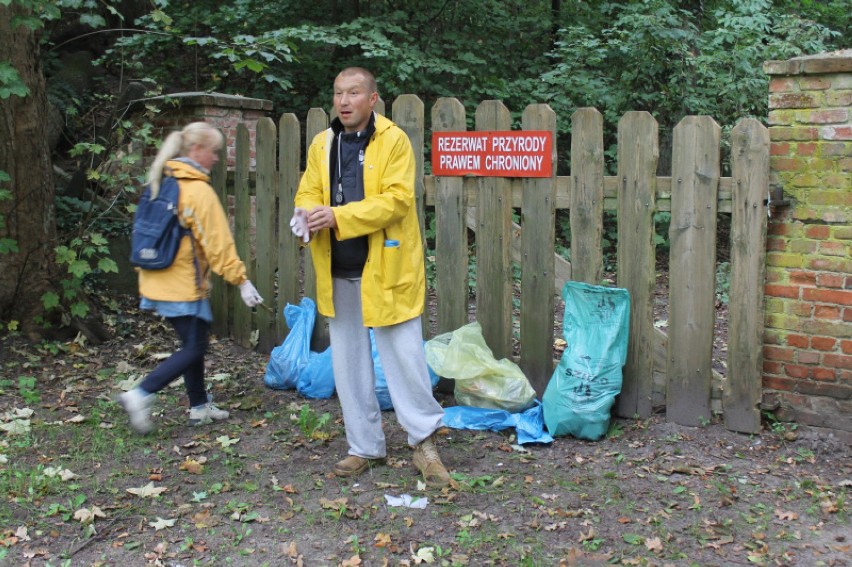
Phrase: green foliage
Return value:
(82, 257)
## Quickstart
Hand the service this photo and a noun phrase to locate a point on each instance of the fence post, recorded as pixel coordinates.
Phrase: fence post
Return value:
(219, 298)
(493, 268)
(451, 287)
(266, 233)
(289, 258)
(242, 225)
(317, 122)
(587, 167)
(638, 153)
(750, 171)
(408, 113)
(538, 239)
(692, 270)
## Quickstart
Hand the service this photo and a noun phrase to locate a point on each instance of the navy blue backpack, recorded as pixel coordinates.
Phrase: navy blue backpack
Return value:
(157, 231)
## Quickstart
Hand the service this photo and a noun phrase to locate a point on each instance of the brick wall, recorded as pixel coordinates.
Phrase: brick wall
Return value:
(808, 335)
(223, 111)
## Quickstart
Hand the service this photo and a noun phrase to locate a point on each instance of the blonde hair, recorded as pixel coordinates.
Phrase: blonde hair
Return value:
(179, 143)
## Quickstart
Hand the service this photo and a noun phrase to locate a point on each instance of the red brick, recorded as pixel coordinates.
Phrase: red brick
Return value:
(830, 312)
(814, 84)
(771, 367)
(823, 343)
(795, 134)
(806, 149)
(776, 244)
(793, 100)
(831, 280)
(779, 149)
(830, 248)
(823, 374)
(778, 353)
(798, 341)
(789, 291)
(787, 164)
(779, 383)
(824, 116)
(808, 357)
(836, 360)
(847, 315)
(846, 347)
(780, 85)
(839, 297)
(818, 231)
(836, 132)
(796, 371)
(803, 277)
(805, 310)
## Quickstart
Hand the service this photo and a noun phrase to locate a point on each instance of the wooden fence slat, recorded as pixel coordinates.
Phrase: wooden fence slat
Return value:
(289, 256)
(408, 113)
(538, 239)
(638, 153)
(242, 227)
(220, 295)
(493, 268)
(317, 122)
(586, 215)
(750, 170)
(266, 241)
(692, 270)
(451, 289)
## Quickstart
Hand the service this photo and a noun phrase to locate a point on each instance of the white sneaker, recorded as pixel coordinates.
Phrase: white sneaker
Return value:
(205, 414)
(138, 404)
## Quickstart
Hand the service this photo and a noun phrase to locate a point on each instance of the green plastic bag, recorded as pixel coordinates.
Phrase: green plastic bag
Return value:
(481, 381)
(582, 390)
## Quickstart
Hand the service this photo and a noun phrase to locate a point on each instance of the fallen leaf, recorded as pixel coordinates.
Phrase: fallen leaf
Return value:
(424, 555)
(147, 491)
(653, 544)
(191, 466)
(86, 516)
(382, 540)
(161, 524)
(226, 441)
(785, 516)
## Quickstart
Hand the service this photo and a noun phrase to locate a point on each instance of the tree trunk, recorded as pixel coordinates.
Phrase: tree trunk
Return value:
(29, 216)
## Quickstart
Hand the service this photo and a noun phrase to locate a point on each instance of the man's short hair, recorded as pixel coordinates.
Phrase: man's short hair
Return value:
(368, 77)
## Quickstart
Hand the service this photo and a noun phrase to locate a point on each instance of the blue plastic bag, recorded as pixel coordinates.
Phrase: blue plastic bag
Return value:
(289, 358)
(316, 380)
(528, 424)
(582, 389)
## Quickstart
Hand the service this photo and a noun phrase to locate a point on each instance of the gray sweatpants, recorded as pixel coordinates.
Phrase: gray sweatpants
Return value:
(403, 359)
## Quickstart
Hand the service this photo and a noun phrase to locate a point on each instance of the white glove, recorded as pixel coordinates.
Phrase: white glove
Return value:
(299, 224)
(249, 294)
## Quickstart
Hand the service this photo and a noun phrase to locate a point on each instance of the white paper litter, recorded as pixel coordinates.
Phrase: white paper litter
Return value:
(407, 501)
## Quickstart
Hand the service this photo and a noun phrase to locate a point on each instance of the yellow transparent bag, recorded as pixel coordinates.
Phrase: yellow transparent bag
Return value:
(481, 380)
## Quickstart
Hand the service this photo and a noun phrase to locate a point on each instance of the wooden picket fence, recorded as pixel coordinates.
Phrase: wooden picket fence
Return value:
(694, 194)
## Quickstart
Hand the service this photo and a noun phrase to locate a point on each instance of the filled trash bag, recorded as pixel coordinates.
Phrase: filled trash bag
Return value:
(289, 358)
(582, 389)
(481, 380)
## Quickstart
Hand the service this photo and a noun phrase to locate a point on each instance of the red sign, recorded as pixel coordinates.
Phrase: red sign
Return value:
(525, 153)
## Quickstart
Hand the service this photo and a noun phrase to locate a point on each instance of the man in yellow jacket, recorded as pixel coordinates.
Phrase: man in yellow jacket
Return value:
(356, 206)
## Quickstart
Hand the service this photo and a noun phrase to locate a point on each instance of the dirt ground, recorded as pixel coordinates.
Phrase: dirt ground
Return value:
(79, 488)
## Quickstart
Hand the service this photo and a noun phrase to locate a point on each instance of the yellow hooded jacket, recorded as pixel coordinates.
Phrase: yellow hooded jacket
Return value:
(200, 211)
(393, 283)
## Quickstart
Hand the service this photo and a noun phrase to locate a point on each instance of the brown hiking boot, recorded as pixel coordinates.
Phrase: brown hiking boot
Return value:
(353, 465)
(429, 464)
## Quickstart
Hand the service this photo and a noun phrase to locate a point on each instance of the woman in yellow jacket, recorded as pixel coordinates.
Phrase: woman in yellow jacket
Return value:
(356, 205)
(180, 292)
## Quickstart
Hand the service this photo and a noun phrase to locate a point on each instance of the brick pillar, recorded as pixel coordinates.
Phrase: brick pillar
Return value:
(221, 110)
(808, 335)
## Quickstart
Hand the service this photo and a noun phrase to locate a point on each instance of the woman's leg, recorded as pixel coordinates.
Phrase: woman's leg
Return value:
(188, 361)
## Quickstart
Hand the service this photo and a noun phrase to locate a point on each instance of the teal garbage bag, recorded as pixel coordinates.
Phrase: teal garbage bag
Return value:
(582, 389)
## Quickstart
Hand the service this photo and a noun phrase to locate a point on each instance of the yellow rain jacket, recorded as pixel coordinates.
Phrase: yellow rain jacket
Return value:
(393, 284)
(200, 211)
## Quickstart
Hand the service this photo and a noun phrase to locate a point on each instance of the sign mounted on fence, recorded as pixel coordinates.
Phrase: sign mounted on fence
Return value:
(524, 153)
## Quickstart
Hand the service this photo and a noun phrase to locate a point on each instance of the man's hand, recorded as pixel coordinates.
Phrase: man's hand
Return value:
(299, 224)
(320, 218)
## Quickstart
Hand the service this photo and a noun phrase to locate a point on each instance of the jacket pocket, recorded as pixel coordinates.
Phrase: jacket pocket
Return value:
(391, 263)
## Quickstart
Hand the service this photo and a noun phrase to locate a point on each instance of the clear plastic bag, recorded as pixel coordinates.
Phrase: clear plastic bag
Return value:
(481, 380)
